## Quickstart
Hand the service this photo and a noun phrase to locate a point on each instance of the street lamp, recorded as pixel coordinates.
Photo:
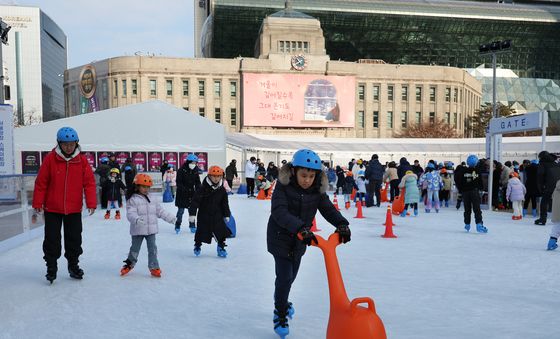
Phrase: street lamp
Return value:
(493, 48)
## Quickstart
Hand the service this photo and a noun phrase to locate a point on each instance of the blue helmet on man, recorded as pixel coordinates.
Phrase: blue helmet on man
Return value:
(472, 160)
(306, 158)
(192, 157)
(66, 134)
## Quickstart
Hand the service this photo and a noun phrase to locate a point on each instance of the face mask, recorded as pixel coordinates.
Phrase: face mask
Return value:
(192, 166)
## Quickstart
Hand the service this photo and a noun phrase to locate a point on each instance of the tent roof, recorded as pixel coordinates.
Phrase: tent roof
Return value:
(151, 125)
(359, 145)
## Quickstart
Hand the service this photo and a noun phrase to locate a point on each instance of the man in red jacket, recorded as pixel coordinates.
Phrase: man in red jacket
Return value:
(63, 178)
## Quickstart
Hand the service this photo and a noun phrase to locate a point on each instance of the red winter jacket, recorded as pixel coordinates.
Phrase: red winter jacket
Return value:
(60, 184)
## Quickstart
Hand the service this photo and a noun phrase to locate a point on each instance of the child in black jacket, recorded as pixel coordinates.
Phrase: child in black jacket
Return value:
(211, 201)
(112, 190)
(470, 185)
(299, 193)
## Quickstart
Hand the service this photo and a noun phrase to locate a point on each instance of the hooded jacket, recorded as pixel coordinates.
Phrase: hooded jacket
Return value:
(547, 174)
(147, 208)
(292, 208)
(410, 183)
(374, 171)
(515, 190)
(62, 182)
(188, 181)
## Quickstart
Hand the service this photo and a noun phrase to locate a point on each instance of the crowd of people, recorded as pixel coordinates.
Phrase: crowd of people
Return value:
(301, 191)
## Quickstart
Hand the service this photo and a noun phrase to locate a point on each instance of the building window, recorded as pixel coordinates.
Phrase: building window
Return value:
(418, 118)
(201, 111)
(448, 118)
(361, 92)
(455, 119)
(134, 85)
(418, 94)
(232, 89)
(281, 46)
(390, 119)
(200, 88)
(294, 46)
(361, 119)
(432, 117)
(116, 87)
(124, 88)
(404, 93)
(185, 88)
(403, 118)
(233, 117)
(432, 94)
(306, 47)
(375, 119)
(217, 88)
(153, 87)
(461, 96)
(169, 87)
(455, 94)
(390, 93)
(447, 94)
(217, 115)
(376, 93)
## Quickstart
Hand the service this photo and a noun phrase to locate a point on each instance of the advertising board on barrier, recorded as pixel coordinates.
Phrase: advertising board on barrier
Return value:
(298, 100)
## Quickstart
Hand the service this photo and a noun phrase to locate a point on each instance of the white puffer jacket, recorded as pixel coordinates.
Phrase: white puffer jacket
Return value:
(147, 209)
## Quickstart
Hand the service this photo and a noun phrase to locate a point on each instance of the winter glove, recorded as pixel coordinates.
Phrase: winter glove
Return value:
(308, 236)
(140, 222)
(226, 219)
(192, 219)
(344, 233)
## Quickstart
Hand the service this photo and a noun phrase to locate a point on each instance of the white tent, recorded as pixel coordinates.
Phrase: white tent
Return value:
(151, 126)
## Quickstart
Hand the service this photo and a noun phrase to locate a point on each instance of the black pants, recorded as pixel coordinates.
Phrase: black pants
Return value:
(103, 197)
(394, 184)
(546, 199)
(414, 205)
(444, 195)
(459, 200)
(230, 183)
(52, 246)
(286, 272)
(250, 186)
(374, 188)
(471, 200)
(533, 199)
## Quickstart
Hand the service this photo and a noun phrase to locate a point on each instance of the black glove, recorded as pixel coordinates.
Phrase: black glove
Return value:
(307, 236)
(344, 232)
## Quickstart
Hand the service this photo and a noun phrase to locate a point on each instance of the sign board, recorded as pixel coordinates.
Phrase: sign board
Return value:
(519, 123)
(7, 165)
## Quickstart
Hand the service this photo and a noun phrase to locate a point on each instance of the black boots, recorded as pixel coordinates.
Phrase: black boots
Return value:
(51, 273)
(75, 271)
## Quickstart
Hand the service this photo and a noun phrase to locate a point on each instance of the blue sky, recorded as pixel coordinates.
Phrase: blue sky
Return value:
(99, 29)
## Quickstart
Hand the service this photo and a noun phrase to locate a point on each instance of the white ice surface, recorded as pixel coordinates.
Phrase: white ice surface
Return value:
(433, 281)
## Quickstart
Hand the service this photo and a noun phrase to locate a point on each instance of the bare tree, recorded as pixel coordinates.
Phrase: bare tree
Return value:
(477, 123)
(438, 129)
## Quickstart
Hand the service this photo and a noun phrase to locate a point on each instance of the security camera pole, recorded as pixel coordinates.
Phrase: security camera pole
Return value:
(4, 29)
(493, 49)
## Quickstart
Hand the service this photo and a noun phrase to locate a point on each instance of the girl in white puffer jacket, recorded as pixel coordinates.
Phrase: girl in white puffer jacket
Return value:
(143, 211)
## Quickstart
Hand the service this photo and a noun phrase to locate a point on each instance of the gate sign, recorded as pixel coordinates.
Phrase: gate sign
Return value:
(519, 123)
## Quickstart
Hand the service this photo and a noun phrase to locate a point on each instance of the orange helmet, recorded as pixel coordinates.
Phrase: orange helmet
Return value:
(443, 171)
(143, 179)
(349, 174)
(260, 177)
(216, 170)
(514, 175)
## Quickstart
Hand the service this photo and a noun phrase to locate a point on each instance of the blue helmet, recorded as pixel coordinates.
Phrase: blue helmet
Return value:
(128, 168)
(306, 158)
(170, 166)
(535, 161)
(104, 160)
(192, 157)
(430, 165)
(67, 134)
(472, 160)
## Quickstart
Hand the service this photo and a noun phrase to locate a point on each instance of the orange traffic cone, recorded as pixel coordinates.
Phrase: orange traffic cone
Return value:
(271, 190)
(389, 225)
(359, 214)
(389, 218)
(353, 195)
(335, 203)
(314, 227)
(261, 195)
(398, 203)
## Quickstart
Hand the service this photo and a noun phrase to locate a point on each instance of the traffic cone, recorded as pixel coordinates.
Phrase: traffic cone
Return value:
(261, 195)
(271, 190)
(389, 217)
(314, 227)
(359, 214)
(389, 225)
(335, 203)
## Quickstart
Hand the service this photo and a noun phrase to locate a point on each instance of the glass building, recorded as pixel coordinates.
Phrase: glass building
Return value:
(34, 63)
(399, 32)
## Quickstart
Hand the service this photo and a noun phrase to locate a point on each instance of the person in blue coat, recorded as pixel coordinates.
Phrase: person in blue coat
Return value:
(299, 194)
(412, 194)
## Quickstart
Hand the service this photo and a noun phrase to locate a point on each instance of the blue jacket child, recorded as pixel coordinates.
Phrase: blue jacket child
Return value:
(299, 194)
